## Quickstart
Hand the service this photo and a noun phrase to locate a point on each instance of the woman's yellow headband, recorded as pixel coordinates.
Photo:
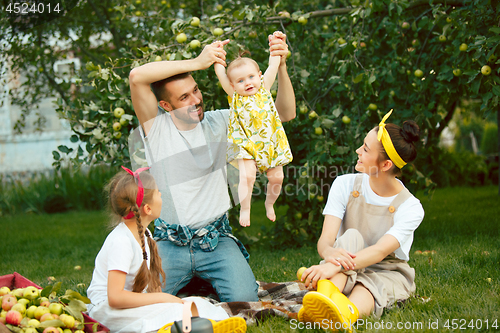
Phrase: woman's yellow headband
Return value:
(383, 136)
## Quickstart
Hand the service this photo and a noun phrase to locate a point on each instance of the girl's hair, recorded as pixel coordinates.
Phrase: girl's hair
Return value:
(241, 60)
(122, 190)
(403, 139)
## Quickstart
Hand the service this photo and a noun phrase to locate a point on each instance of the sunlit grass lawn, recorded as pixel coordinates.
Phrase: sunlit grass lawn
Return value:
(460, 279)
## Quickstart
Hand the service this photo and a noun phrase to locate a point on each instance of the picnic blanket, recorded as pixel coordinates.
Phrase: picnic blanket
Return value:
(282, 299)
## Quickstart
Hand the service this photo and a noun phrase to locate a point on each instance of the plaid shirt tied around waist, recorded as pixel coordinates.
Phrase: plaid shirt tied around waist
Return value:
(181, 235)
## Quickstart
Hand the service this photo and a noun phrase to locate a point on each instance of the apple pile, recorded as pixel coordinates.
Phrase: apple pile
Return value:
(25, 310)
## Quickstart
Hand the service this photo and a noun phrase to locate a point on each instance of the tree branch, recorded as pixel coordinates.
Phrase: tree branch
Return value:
(442, 124)
(117, 40)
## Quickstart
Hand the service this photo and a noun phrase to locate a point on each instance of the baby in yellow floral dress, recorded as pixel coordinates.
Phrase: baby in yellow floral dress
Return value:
(256, 136)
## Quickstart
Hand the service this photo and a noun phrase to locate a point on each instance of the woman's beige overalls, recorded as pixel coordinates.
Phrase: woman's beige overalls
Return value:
(363, 225)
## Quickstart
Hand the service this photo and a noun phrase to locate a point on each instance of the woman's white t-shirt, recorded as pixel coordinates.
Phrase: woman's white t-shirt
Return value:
(120, 252)
(406, 219)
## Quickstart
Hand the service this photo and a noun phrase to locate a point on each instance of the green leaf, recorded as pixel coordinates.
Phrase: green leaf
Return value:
(496, 90)
(475, 86)
(372, 79)
(358, 78)
(56, 288)
(47, 290)
(495, 30)
(328, 123)
(71, 294)
(56, 155)
(342, 150)
(51, 323)
(74, 138)
(337, 112)
(15, 329)
(74, 311)
(78, 305)
(64, 149)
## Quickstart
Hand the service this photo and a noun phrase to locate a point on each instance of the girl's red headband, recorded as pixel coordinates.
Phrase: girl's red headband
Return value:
(140, 190)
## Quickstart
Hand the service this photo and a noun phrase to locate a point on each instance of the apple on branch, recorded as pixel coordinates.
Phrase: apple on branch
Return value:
(195, 22)
(181, 38)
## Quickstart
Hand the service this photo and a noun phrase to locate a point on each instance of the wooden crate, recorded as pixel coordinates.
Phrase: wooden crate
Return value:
(16, 280)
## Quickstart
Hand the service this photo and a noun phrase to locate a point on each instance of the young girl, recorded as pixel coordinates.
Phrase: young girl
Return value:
(368, 230)
(126, 284)
(256, 136)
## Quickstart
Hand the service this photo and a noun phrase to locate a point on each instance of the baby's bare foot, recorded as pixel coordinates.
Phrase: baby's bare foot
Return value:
(270, 212)
(245, 217)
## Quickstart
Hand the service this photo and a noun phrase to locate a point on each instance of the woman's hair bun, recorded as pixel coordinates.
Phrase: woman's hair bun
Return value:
(410, 131)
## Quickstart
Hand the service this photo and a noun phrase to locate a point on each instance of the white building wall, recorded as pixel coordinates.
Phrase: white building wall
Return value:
(31, 150)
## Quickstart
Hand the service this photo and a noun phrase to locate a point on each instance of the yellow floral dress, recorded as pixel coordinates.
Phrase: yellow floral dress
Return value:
(256, 132)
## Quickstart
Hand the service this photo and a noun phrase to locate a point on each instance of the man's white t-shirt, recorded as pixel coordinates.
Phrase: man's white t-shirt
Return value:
(120, 252)
(406, 219)
(190, 168)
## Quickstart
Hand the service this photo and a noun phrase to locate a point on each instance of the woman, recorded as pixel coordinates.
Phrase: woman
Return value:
(367, 233)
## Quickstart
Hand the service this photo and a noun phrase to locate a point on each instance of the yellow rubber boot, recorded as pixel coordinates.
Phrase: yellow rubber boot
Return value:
(327, 288)
(303, 316)
(329, 303)
(230, 325)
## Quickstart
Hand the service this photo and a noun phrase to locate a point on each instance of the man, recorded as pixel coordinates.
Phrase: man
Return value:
(186, 149)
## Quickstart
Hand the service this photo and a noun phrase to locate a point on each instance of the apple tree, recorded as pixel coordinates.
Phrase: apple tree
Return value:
(350, 63)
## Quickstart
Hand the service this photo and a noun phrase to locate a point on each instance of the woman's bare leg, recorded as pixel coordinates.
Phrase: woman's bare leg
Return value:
(363, 299)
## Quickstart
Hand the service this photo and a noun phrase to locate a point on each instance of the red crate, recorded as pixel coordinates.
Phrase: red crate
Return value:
(16, 280)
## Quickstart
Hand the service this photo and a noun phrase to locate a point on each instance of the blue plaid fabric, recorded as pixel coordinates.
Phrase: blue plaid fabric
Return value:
(208, 236)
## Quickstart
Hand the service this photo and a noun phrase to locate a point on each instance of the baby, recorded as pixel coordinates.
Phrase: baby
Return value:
(256, 136)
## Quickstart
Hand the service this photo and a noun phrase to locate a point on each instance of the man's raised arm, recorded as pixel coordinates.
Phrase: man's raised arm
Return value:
(140, 78)
(285, 98)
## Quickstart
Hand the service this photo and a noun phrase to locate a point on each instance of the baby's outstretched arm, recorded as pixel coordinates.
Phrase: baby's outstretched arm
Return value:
(220, 71)
(272, 70)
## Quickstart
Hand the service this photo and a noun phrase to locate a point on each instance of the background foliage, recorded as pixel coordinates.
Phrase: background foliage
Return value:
(350, 63)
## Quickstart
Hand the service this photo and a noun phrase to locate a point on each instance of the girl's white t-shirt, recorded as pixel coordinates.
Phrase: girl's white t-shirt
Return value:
(121, 252)
(406, 219)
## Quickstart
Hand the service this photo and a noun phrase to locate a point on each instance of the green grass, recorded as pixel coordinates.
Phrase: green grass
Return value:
(461, 226)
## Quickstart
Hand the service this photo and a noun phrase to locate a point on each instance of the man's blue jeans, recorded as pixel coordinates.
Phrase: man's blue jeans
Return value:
(225, 268)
